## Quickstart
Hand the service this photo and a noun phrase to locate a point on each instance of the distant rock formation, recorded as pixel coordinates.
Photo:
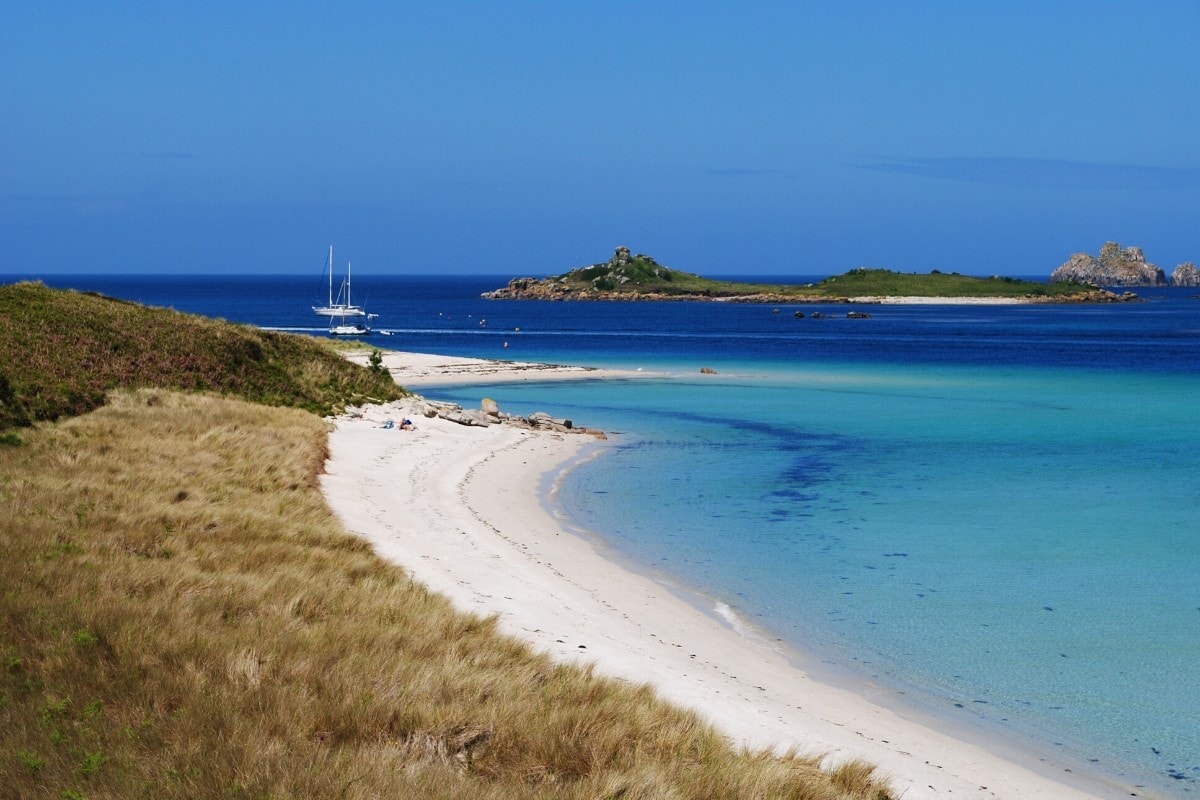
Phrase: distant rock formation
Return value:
(1114, 267)
(1186, 274)
(621, 257)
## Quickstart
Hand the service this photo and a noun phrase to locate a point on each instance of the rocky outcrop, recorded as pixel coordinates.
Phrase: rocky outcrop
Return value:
(620, 277)
(489, 413)
(1186, 274)
(1113, 267)
(530, 289)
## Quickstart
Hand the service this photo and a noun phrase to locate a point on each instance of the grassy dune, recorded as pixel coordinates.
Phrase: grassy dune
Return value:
(64, 350)
(182, 616)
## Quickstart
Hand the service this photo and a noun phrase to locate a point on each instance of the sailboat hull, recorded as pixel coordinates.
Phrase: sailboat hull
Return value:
(340, 311)
(349, 330)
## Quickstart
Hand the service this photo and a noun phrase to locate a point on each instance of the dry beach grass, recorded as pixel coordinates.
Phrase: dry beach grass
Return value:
(181, 615)
(184, 617)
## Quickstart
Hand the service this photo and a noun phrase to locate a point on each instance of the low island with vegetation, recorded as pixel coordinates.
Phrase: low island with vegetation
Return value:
(639, 277)
(183, 616)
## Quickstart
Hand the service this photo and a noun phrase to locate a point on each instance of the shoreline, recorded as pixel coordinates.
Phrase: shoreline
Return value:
(810, 300)
(917, 300)
(417, 370)
(459, 508)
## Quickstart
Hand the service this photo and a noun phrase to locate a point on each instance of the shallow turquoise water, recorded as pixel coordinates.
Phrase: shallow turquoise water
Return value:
(1020, 546)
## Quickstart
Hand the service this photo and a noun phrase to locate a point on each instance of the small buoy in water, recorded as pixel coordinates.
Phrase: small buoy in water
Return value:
(517, 328)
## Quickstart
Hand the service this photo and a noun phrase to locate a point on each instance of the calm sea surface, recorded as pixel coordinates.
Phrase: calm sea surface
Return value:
(995, 510)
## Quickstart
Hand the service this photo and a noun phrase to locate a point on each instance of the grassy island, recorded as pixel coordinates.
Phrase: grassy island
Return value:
(182, 615)
(886, 283)
(640, 277)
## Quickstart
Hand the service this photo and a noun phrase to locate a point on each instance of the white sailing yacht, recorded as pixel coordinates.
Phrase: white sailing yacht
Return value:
(342, 306)
(338, 326)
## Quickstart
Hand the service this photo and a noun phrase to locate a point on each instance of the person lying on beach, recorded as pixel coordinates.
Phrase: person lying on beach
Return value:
(406, 425)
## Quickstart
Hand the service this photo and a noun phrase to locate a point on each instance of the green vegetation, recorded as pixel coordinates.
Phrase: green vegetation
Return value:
(885, 283)
(642, 274)
(66, 350)
(640, 277)
(182, 616)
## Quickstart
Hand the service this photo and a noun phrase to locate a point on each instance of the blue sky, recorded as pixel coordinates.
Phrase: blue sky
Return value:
(528, 138)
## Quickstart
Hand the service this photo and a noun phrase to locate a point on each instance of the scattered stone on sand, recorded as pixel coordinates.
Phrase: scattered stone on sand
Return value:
(488, 413)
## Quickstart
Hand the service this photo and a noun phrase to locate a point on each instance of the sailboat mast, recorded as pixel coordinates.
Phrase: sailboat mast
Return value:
(347, 284)
(330, 275)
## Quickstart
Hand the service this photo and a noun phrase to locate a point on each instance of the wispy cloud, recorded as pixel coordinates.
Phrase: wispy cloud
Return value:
(737, 172)
(1041, 173)
(170, 155)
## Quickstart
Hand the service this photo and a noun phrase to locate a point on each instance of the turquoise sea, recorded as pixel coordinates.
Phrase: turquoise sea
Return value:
(992, 510)
(1018, 546)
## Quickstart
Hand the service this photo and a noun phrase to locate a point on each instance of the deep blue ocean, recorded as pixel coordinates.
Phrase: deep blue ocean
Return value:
(994, 510)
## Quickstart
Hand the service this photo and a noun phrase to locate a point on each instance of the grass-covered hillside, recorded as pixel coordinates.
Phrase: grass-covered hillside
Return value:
(637, 273)
(629, 276)
(62, 351)
(182, 616)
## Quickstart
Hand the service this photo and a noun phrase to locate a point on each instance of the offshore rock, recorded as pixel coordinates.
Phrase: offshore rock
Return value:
(1113, 267)
(1186, 274)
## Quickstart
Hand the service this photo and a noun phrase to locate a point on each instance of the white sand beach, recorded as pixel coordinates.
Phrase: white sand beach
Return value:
(459, 508)
(916, 300)
(415, 370)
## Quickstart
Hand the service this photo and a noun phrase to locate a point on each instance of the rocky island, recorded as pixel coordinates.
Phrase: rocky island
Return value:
(1186, 274)
(1117, 266)
(628, 276)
